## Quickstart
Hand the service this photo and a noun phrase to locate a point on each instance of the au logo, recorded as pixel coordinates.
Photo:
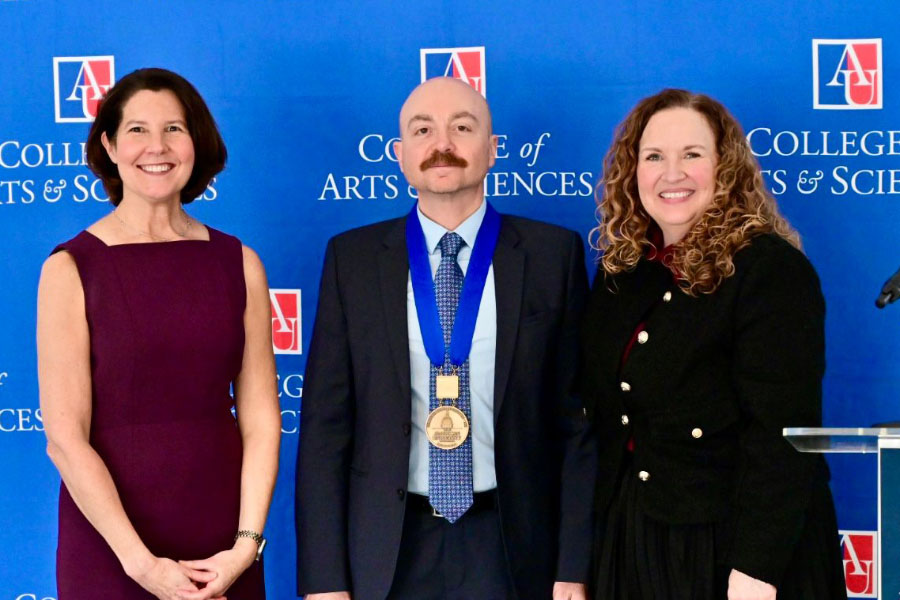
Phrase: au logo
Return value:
(847, 74)
(859, 549)
(286, 321)
(79, 83)
(466, 64)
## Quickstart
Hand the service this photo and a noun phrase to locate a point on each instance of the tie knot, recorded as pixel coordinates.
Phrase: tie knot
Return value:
(450, 244)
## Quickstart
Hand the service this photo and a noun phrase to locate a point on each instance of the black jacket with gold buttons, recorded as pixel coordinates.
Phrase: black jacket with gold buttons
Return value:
(705, 393)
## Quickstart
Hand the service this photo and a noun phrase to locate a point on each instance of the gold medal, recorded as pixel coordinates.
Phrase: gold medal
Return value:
(447, 427)
(446, 387)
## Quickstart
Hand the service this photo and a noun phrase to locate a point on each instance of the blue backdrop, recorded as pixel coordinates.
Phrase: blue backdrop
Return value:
(307, 94)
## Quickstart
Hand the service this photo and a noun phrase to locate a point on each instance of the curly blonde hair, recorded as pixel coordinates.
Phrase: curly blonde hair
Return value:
(741, 208)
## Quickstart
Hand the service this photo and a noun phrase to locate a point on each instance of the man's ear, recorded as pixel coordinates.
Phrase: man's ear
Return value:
(398, 152)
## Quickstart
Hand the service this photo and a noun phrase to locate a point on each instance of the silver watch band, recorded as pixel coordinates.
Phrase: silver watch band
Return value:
(256, 537)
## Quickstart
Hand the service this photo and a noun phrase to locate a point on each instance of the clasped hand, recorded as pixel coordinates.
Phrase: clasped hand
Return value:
(206, 579)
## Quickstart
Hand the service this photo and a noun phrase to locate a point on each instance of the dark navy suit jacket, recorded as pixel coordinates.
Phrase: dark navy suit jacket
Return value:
(353, 462)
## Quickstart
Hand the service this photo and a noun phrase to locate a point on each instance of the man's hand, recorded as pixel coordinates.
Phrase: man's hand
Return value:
(564, 590)
(744, 587)
(328, 596)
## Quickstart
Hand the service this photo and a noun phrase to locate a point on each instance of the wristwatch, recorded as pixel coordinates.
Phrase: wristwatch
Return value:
(256, 537)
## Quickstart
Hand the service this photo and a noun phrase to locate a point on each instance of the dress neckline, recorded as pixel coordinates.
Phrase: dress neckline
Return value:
(657, 252)
(212, 233)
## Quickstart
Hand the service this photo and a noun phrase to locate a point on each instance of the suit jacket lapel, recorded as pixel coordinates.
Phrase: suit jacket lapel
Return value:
(509, 277)
(393, 275)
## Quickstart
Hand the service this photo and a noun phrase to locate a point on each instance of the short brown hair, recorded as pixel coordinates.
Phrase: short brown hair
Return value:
(209, 149)
(741, 207)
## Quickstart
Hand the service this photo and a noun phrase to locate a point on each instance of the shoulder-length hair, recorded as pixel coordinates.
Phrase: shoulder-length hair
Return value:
(209, 149)
(741, 208)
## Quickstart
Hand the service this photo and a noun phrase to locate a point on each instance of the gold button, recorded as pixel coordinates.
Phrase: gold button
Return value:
(626, 387)
(643, 337)
(643, 475)
(624, 419)
(697, 433)
(667, 297)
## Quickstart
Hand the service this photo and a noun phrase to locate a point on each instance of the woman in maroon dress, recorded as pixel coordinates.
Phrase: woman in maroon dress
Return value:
(145, 320)
(704, 337)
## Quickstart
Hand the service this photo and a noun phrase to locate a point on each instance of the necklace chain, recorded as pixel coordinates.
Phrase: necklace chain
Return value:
(155, 238)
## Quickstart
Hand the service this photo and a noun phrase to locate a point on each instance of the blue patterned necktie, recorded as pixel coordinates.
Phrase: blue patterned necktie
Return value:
(450, 471)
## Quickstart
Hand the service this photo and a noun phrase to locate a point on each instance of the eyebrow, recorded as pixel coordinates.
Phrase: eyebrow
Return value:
(463, 114)
(142, 122)
(688, 147)
(414, 118)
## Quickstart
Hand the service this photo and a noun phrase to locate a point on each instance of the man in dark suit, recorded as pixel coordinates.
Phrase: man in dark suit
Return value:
(442, 453)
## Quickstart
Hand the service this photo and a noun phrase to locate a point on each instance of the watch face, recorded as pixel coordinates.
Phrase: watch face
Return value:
(262, 546)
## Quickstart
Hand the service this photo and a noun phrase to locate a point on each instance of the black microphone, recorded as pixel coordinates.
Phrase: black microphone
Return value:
(890, 291)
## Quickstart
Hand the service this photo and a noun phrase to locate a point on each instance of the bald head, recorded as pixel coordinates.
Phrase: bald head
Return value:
(446, 146)
(446, 95)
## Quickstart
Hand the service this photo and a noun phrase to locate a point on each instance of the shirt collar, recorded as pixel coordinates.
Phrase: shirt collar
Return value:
(467, 230)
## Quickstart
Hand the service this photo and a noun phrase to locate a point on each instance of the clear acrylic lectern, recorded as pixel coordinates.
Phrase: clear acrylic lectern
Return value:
(868, 440)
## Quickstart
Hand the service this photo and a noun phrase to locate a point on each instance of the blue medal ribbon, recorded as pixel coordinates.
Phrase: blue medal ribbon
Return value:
(469, 299)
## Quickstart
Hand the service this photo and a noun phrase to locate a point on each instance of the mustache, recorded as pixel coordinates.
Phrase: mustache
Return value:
(443, 159)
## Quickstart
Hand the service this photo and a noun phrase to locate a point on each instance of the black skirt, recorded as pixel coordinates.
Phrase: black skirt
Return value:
(640, 558)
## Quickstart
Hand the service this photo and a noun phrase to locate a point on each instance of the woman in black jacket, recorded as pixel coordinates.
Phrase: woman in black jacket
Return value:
(704, 338)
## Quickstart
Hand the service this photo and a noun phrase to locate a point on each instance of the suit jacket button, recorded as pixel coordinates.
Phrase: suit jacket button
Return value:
(401, 493)
(696, 433)
(406, 428)
(643, 475)
(643, 337)
(667, 297)
(625, 386)
(624, 419)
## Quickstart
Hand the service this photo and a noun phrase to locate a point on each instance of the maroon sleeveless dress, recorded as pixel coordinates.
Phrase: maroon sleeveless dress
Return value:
(167, 339)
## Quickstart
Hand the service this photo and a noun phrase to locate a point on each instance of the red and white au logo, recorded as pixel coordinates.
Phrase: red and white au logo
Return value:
(847, 74)
(286, 322)
(466, 64)
(79, 83)
(859, 550)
